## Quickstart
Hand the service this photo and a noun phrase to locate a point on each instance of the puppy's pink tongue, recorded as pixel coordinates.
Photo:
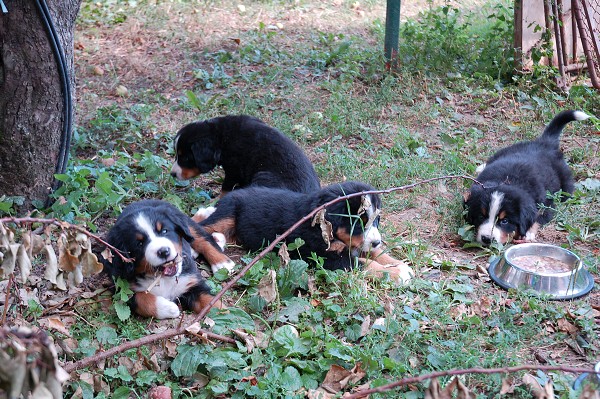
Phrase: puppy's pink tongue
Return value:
(170, 270)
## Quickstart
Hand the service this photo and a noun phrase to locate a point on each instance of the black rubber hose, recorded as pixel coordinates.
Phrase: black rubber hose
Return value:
(59, 56)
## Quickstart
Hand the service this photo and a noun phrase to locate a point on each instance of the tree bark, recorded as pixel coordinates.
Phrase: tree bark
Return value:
(32, 108)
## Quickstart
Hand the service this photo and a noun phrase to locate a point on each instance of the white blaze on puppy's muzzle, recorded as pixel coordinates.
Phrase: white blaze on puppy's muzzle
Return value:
(488, 228)
(372, 236)
(159, 250)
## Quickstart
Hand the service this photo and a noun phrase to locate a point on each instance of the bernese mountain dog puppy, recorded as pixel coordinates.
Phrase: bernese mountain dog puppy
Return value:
(251, 153)
(254, 216)
(158, 239)
(510, 202)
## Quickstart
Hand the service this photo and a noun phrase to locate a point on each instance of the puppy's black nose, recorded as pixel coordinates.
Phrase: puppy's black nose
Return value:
(375, 243)
(163, 253)
(173, 174)
(487, 240)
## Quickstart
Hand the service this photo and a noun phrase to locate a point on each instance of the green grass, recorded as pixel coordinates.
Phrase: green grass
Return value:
(451, 103)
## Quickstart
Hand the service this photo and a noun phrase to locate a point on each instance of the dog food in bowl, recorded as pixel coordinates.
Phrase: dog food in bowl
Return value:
(544, 269)
(540, 263)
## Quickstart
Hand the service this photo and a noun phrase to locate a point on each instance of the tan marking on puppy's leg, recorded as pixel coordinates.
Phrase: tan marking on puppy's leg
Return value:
(150, 305)
(224, 226)
(212, 253)
(202, 302)
(384, 258)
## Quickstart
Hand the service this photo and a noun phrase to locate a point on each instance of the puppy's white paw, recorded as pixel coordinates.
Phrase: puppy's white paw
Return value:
(166, 309)
(480, 168)
(404, 274)
(220, 240)
(229, 265)
(203, 213)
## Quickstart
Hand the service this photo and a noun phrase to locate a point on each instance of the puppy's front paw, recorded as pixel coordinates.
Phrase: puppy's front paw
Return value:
(203, 213)
(228, 264)
(402, 273)
(220, 240)
(166, 309)
(399, 271)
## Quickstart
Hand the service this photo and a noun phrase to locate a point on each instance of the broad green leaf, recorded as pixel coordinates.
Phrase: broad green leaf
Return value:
(187, 360)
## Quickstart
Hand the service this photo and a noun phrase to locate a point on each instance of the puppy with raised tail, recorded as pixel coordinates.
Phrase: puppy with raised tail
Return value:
(510, 202)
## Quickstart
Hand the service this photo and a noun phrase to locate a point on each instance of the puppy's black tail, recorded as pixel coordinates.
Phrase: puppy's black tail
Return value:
(557, 124)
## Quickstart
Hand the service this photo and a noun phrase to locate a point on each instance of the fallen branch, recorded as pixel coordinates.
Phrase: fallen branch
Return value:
(476, 370)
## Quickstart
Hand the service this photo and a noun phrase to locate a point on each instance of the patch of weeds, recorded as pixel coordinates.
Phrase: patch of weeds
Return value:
(93, 188)
(106, 12)
(578, 214)
(115, 127)
(446, 40)
(10, 204)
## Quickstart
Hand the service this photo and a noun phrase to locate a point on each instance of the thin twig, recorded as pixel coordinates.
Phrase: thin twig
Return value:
(476, 370)
(6, 299)
(70, 367)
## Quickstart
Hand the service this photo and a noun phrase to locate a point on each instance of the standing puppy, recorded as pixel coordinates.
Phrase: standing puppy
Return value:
(515, 181)
(251, 153)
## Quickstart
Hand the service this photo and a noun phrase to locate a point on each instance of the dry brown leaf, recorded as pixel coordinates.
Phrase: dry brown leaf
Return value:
(67, 261)
(10, 260)
(365, 326)
(434, 390)
(247, 338)
(7, 236)
(267, 287)
(284, 254)
(539, 392)
(365, 204)
(457, 312)
(89, 263)
(589, 391)
(325, 225)
(338, 378)
(319, 393)
(60, 282)
(51, 270)
(54, 323)
(107, 254)
(483, 307)
(24, 264)
(565, 326)
(33, 243)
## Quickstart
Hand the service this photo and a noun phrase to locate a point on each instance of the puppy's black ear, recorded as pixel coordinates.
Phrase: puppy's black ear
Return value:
(207, 154)
(527, 216)
(182, 225)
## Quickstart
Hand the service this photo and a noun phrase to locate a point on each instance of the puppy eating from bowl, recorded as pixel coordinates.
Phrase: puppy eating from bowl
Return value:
(509, 201)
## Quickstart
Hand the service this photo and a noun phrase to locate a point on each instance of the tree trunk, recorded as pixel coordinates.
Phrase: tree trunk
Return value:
(32, 98)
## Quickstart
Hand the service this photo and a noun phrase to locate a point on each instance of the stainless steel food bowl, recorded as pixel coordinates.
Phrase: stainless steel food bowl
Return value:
(571, 281)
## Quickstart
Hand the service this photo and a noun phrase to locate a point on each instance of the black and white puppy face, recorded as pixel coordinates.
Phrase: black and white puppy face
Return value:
(156, 240)
(356, 221)
(500, 214)
(196, 150)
